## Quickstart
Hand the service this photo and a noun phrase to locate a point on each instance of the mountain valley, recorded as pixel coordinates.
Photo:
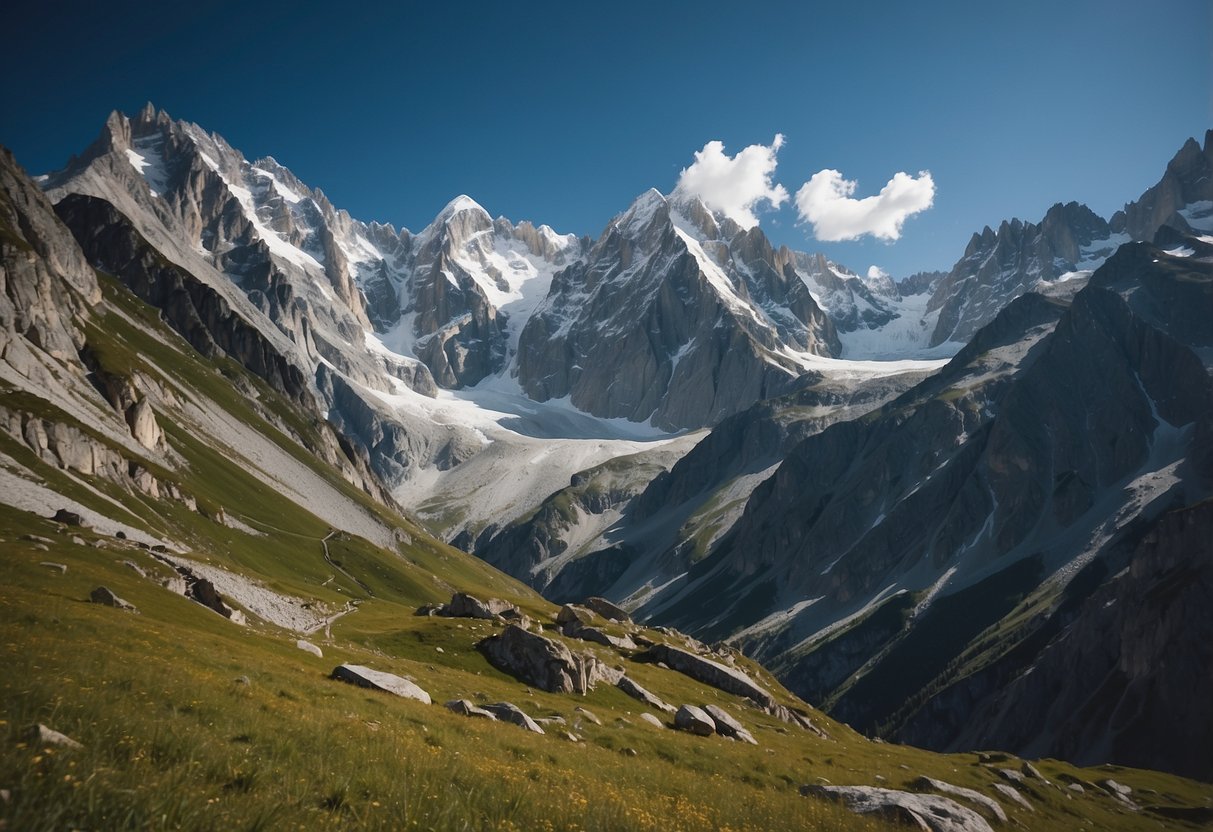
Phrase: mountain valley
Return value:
(907, 534)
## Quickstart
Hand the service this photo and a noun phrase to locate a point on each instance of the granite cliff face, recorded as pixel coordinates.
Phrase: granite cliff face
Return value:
(674, 317)
(1182, 199)
(46, 279)
(999, 266)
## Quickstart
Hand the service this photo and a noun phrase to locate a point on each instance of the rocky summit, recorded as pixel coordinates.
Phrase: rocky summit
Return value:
(686, 528)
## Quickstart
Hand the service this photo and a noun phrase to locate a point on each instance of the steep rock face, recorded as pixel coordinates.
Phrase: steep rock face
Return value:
(851, 301)
(394, 445)
(999, 266)
(466, 288)
(1058, 432)
(44, 279)
(1118, 675)
(277, 251)
(204, 318)
(1182, 199)
(672, 317)
(195, 310)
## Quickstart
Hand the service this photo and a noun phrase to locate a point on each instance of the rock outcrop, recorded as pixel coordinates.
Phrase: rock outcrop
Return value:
(694, 720)
(511, 713)
(987, 805)
(728, 726)
(545, 663)
(635, 690)
(920, 811)
(105, 596)
(464, 707)
(378, 680)
(728, 679)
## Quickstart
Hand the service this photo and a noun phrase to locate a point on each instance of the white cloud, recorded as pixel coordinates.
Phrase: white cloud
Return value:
(876, 273)
(826, 203)
(734, 185)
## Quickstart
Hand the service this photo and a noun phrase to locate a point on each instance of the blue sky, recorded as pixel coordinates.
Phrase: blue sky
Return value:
(563, 112)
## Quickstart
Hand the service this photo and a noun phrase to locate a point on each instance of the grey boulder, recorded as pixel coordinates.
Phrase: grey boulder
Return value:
(378, 680)
(919, 811)
(543, 662)
(728, 679)
(463, 707)
(988, 805)
(104, 595)
(634, 689)
(728, 726)
(695, 720)
(511, 713)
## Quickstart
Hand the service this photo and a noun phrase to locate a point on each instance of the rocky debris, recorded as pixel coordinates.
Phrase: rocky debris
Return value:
(1011, 775)
(728, 726)
(1076, 788)
(242, 680)
(546, 663)
(40, 547)
(570, 736)
(40, 734)
(463, 707)
(695, 720)
(551, 720)
(652, 720)
(60, 567)
(628, 752)
(378, 680)
(633, 689)
(511, 713)
(69, 518)
(607, 610)
(104, 595)
(308, 647)
(588, 715)
(728, 679)
(1012, 794)
(34, 538)
(919, 811)
(988, 805)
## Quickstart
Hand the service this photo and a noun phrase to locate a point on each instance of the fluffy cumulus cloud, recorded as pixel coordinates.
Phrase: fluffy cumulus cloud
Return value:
(734, 185)
(826, 203)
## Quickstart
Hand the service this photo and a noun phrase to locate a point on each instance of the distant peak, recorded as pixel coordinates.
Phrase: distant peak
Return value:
(461, 203)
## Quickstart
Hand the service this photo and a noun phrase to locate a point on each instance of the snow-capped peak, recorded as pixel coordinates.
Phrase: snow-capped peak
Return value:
(641, 212)
(460, 204)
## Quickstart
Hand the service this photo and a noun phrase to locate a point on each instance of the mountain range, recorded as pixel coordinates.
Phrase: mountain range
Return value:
(922, 503)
